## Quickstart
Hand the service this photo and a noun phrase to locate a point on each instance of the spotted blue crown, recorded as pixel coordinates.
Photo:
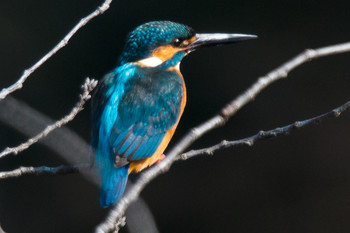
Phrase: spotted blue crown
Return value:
(145, 38)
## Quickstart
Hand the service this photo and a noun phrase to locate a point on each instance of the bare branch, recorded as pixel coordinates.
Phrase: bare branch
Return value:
(60, 170)
(18, 85)
(87, 87)
(229, 110)
(250, 141)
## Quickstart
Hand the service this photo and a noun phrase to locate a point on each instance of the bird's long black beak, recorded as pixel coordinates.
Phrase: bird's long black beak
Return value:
(213, 39)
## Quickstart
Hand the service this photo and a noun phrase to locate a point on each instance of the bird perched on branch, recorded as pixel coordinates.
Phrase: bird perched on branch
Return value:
(137, 106)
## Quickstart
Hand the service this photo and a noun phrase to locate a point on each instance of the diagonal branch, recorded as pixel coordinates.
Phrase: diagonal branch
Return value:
(18, 85)
(250, 141)
(281, 72)
(87, 87)
(110, 223)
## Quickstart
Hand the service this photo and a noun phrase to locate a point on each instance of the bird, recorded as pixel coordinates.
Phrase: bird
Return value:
(137, 106)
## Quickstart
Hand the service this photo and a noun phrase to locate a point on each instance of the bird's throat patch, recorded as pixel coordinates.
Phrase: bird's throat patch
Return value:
(150, 62)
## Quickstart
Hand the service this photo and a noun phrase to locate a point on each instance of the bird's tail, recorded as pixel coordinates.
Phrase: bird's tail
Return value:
(113, 180)
(113, 185)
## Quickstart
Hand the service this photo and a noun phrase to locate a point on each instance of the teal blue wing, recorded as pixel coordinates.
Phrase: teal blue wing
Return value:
(98, 102)
(106, 95)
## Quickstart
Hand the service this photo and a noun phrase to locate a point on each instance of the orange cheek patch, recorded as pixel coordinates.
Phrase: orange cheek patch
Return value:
(165, 52)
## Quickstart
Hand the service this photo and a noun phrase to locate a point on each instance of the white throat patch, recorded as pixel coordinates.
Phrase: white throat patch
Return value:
(177, 66)
(151, 62)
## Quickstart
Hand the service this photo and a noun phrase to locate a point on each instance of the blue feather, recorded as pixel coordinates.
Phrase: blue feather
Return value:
(136, 143)
(113, 182)
(139, 153)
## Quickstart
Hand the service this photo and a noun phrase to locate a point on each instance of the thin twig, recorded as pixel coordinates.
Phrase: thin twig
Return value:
(250, 141)
(18, 85)
(87, 87)
(109, 224)
(59, 170)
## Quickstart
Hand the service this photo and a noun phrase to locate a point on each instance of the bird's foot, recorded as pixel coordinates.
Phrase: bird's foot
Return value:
(161, 157)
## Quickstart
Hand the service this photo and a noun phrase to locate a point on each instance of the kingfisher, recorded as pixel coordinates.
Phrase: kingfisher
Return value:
(137, 106)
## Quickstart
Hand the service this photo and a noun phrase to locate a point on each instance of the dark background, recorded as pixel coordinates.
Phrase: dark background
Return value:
(296, 183)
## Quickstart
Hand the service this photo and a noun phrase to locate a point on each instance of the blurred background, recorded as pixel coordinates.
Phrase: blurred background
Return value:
(295, 183)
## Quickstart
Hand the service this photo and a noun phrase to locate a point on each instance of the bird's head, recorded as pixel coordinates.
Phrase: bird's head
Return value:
(166, 43)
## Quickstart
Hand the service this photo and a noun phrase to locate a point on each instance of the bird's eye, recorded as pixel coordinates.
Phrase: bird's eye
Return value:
(177, 42)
